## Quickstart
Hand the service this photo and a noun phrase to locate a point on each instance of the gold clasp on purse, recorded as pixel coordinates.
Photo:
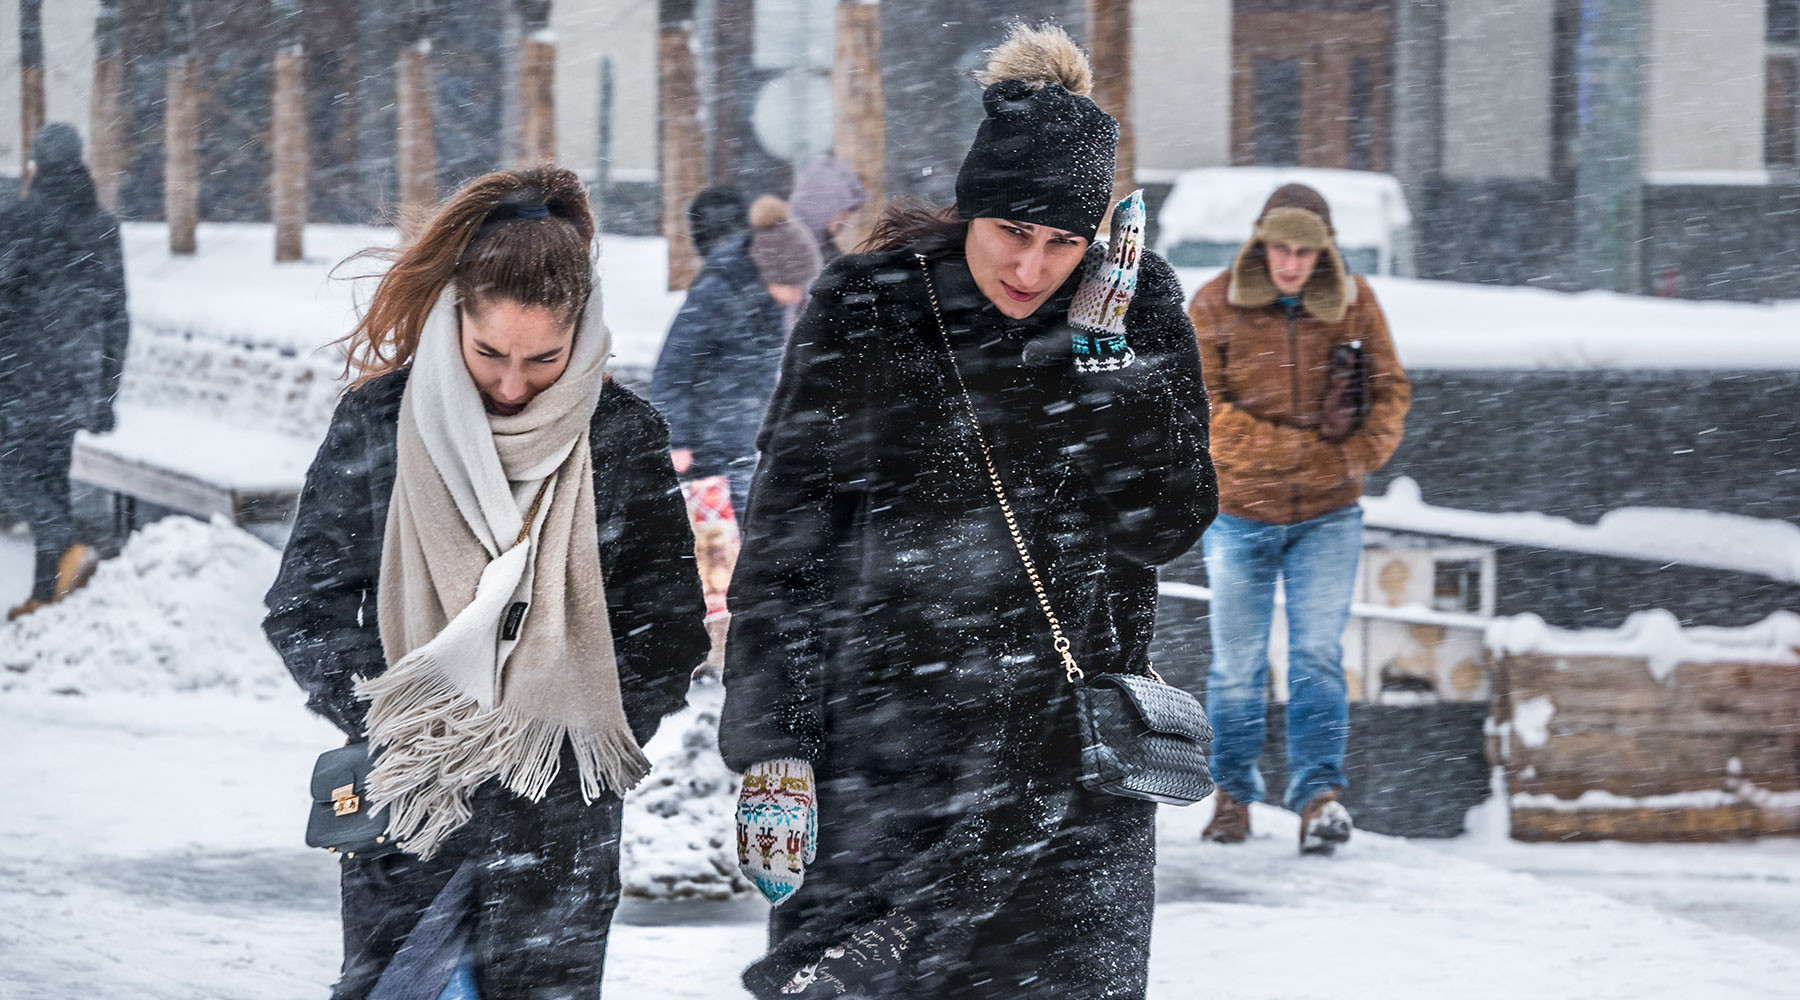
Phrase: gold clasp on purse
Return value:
(344, 800)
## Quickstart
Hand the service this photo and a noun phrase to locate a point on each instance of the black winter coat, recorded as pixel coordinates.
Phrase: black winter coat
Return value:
(719, 363)
(63, 324)
(540, 927)
(884, 628)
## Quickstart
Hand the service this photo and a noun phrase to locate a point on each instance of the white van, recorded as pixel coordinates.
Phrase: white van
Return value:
(1211, 211)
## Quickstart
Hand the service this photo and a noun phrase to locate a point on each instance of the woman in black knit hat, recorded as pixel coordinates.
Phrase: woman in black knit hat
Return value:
(905, 726)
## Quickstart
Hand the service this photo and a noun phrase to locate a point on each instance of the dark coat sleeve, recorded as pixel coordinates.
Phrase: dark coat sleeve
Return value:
(322, 607)
(653, 598)
(685, 369)
(799, 515)
(115, 325)
(1144, 429)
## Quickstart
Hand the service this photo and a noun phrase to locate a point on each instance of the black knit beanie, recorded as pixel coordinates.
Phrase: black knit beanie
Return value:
(714, 214)
(1044, 153)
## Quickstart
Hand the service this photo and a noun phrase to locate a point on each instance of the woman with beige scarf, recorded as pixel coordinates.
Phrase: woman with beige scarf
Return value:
(491, 578)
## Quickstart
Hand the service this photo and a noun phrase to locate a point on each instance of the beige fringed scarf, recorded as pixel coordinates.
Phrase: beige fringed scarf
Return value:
(478, 686)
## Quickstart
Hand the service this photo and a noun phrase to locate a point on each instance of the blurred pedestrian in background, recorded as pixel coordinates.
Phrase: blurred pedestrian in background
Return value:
(826, 192)
(1307, 398)
(63, 332)
(714, 214)
(718, 367)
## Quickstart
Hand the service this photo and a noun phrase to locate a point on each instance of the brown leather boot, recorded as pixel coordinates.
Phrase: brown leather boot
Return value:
(1230, 822)
(1324, 824)
(18, 611)
(75, 569)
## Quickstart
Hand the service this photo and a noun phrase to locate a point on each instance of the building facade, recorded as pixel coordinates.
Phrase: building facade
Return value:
(1642, 145)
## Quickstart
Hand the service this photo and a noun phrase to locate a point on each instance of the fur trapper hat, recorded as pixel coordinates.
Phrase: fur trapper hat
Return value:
(1044, 152)
(1297, 215)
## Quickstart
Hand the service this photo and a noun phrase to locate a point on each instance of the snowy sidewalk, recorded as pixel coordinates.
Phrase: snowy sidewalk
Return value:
(150, 849)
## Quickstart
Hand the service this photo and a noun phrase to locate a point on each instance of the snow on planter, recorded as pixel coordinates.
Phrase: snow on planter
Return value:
(1764, 546)
(680, 827)
(179, 609)
(1650, 731)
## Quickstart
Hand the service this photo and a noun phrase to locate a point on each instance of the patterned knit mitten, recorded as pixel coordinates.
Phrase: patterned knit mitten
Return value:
(778, 826)
(1097, 315)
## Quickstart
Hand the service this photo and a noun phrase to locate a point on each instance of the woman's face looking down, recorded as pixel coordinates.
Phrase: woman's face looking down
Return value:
(1018, 265)
(513, 352)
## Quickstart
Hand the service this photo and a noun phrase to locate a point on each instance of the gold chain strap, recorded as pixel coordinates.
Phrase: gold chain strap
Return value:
(525, 532)
(1070, 667)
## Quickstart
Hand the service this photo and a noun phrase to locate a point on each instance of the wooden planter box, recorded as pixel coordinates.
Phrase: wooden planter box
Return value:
(1600, 748)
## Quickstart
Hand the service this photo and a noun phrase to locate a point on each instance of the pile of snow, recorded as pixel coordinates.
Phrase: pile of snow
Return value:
(1531, 720)
(1221, 204)
(1657, 638)
(1764, 546)
(1450, 325)
(232, 290)
(1711, 798)
(180, 609)
(680, 828)
(239, 453)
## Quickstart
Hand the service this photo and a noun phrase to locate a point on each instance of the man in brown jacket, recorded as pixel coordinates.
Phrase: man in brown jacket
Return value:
(1307, 398)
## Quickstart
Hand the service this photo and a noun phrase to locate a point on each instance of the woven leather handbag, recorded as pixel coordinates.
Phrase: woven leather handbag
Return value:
(1141, 738)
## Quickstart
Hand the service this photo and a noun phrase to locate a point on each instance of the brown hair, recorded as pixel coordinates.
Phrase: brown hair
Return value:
(916, 225)
(523, 236)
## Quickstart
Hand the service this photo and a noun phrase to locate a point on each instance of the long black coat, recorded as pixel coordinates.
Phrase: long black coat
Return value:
(884, 629)
(546, 929)
(63, 324)
(719, 364)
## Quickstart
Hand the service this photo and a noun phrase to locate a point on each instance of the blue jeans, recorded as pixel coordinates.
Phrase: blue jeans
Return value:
(462, 981)
(1316, 561)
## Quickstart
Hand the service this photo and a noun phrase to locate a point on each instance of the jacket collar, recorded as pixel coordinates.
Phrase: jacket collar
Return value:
(959, 295)
(1328, 294)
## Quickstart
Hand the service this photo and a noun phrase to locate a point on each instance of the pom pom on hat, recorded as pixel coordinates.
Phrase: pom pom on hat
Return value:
(768, 211)
(782, 249)
(1039, 56)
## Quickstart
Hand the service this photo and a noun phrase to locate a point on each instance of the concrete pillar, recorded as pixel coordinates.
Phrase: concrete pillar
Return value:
(1609, 185)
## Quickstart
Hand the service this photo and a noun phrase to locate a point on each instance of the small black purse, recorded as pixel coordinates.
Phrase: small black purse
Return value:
(1140, 737)
(1143, 739)
(343, 820)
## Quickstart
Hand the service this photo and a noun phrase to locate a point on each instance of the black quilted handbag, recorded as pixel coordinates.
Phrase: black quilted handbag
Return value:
(343, 820)
(1143, 739)
(1140, 738)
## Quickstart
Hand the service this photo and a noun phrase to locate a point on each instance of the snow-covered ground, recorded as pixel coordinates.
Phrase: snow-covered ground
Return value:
(151, 850)
(233, 291)
(150, 846)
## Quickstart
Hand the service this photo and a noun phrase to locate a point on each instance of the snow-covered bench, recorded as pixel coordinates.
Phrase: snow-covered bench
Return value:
(210, 427)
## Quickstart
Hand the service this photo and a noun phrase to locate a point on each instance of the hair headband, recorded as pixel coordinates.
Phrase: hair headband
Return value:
(506, 213)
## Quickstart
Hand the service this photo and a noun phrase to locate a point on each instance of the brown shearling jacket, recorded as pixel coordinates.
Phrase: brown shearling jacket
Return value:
(1266, 374)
